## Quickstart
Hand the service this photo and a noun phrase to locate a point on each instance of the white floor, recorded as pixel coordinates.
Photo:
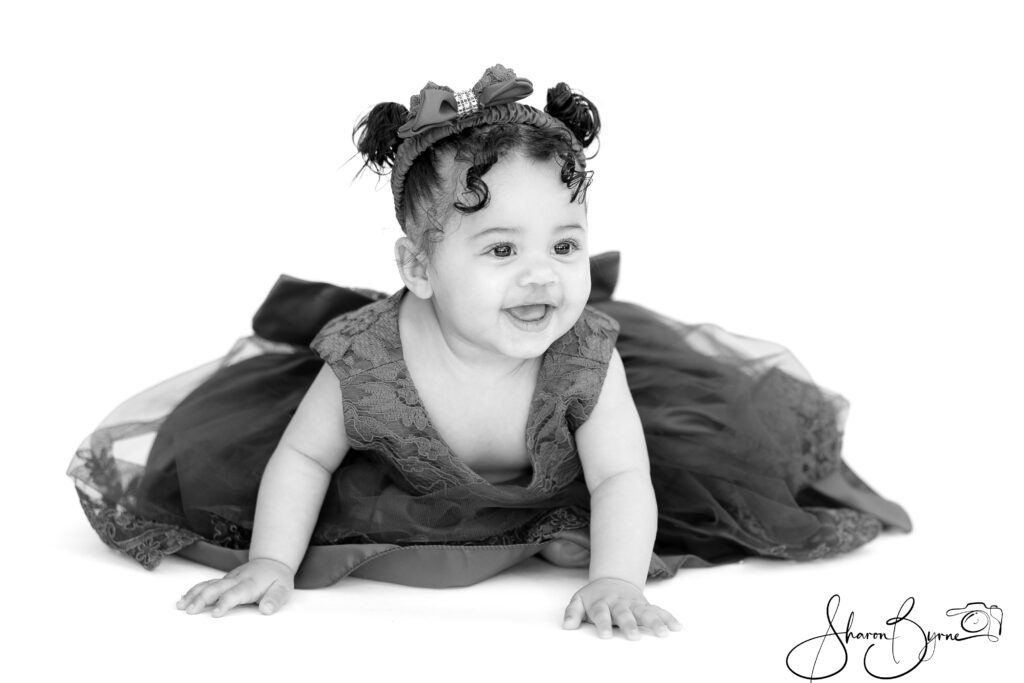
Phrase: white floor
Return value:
(844, 181)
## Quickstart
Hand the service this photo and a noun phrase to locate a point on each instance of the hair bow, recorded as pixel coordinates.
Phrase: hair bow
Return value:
(437, 105)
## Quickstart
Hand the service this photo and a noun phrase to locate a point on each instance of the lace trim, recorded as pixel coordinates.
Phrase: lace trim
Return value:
(812, 419)
(143, 540)
(848, 529)
(842, 530)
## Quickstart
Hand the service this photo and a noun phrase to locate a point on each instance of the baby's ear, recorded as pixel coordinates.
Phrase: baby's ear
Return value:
(412, 266)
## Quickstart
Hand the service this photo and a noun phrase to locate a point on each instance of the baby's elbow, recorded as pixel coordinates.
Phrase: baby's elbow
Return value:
(634, 483)
(324, 463)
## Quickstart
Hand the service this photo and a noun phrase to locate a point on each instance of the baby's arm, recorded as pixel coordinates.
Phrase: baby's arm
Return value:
(624, 515)
(291, 494)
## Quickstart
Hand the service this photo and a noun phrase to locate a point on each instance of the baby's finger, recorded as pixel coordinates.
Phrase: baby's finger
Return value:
(208, 595)
(650, 618)
(274, 598)
(669, 620)
(601, 616)
(241, 593)
(574, 613)
(625, 620)
(193, 592)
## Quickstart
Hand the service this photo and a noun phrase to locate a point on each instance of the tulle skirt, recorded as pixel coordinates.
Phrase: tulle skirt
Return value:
(745, 453)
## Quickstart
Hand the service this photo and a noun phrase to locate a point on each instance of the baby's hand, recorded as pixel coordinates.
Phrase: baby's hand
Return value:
(268, 582)
(604, 602)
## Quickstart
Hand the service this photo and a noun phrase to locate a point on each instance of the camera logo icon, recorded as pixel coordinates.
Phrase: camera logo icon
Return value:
(979, 620)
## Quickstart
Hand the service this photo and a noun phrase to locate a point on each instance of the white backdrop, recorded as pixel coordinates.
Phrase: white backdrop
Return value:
(845, 179)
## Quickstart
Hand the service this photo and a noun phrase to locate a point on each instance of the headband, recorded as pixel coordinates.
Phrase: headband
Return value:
(438, 111)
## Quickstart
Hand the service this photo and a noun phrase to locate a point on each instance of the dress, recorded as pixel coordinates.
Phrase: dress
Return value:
(745, 450)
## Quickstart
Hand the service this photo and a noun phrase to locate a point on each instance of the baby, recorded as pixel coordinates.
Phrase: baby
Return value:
(496, 270)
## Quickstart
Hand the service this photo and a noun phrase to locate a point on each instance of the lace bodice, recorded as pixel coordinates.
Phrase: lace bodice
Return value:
(384, 414)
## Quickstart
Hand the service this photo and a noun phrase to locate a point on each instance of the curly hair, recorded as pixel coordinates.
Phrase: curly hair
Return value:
(433, 179)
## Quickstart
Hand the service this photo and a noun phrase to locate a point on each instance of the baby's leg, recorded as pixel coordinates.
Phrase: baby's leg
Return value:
(566, 553)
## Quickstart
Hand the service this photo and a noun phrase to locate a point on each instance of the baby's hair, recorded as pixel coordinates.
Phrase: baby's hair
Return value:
(428, 196)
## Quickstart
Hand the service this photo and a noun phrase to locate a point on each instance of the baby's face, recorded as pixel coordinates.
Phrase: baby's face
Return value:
(513, 277)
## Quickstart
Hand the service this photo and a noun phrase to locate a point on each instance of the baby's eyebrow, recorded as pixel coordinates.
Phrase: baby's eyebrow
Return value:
(506, 230)
(497, 230)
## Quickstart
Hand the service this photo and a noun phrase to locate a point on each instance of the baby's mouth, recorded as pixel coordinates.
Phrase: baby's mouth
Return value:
(530, 313)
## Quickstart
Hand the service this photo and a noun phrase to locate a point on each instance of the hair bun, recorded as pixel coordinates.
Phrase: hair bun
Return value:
(575, 111)
(378, 140)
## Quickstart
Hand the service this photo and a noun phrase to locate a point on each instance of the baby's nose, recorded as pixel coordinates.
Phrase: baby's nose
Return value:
(537, 271)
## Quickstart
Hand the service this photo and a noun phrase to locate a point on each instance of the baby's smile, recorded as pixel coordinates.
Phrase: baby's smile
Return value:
(530, 317)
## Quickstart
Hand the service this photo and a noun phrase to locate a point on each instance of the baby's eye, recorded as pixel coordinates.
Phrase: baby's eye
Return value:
(502, 250)
(566, 247)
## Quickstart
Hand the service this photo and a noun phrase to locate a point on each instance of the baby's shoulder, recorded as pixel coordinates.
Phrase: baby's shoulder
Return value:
(367, 336)
(592, 337)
